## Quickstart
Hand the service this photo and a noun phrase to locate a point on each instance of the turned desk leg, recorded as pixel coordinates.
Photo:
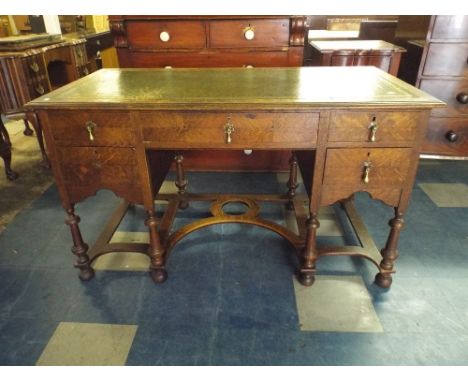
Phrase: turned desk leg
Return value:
(181, 182)
(27, 130)
(5, 153)
(80, 248)
(309, 255)
(292, 182)
(156, 250)
(390, 253)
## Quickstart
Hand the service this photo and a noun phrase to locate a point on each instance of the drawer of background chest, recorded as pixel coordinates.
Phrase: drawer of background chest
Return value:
(447, 136)
(249, 33)
(452, 91)
(374, 127)
(92, 128)
(230, 130)
(166, 34)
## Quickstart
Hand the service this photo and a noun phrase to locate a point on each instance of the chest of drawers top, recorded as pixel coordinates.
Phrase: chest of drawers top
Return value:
(246, 89)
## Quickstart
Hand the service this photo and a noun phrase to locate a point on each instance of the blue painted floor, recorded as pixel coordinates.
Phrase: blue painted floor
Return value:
(230, 298)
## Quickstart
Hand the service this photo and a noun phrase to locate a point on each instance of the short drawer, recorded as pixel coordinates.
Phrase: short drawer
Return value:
(166, 34)
(86, 170)
(230, 130)
(447, 136)
(385, 167)
(445, 59)
(453, 92)
(92, 128)
(374, 127)
(253, 33)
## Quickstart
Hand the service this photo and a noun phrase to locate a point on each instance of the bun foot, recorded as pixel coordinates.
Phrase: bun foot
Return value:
(86, 274)
(306, 278)
(159, 275)
(383, 280)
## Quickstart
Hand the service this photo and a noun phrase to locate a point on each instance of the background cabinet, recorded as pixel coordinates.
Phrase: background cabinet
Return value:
(213, 41)
(437, 62)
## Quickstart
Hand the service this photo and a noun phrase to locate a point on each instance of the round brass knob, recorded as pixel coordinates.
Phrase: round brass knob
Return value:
(164, 36)
(85, 71)
(462, 98)
(168, 67)
(249, 33)
(451, 136)
(248, 66)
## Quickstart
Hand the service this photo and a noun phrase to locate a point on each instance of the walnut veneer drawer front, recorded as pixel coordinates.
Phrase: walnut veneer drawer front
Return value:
(249, 33)
(373, 127)
(92, 128)
(445, 59)
(166, 34)
(225, 130)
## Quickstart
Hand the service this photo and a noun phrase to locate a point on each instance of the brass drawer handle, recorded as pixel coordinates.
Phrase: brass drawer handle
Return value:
(79, 53)
(40, 89)
(90, 127)
(85, 71)
(164, 36)
(228, 130)
(373, 130)
(249, 33)
(365, 175)
(34, 67)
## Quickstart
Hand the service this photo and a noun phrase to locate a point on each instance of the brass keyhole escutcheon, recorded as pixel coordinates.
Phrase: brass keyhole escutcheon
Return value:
(228, 130)
(373, 130)
(365, 175)
(90, 127)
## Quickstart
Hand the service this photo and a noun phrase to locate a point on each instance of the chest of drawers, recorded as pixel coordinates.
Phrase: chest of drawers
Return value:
(213, 41)
(438, 50)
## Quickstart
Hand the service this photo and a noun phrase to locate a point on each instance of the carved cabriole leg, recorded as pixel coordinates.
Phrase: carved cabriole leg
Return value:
(5, 152)
(80, 248)
(390, 253)
(292, 182)
(156, 250)
(27, 130)
(309, 256)
(4, 133)
(181, 182)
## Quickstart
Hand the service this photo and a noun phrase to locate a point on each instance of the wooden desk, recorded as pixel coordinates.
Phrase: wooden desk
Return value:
(378, 53)
(350, 128)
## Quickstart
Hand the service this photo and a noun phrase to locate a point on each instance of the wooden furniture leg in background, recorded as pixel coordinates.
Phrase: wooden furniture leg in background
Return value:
(27, 130)
(80, 248)
(181, 182)
(390, 252)
(40, 138)
(292, 182)
(5, 152)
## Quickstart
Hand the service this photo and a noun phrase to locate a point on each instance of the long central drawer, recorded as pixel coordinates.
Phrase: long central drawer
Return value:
(230, 130)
